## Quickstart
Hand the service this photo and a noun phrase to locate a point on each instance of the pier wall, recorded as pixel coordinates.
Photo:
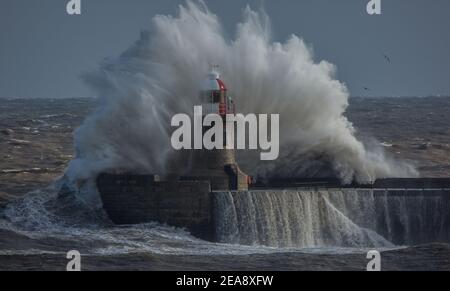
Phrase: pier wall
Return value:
(132, 199)
(398, 211)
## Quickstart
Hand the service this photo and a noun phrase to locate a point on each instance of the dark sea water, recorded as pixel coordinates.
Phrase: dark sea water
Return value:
(38, 227)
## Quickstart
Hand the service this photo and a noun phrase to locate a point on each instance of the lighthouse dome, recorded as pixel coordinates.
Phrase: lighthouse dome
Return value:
(213, 82)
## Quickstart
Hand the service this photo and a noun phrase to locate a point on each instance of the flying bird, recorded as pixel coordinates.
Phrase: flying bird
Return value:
(387, 58)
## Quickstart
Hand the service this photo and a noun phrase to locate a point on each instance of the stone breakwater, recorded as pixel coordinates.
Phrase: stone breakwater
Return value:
(347, 217)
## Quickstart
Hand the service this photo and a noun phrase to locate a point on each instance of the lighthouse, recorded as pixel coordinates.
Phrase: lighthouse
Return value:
(219, 166)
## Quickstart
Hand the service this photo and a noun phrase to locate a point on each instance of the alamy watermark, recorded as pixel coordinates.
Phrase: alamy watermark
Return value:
(374, 7)
(375, 261)
(223, 136)
(73, 7)
(75, 261)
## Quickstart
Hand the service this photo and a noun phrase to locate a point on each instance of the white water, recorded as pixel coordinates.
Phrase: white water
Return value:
(339, 218)
(159, 76)
(287, 219)
(246, 222)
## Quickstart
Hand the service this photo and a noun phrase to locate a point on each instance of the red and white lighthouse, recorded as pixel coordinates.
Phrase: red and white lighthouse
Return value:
(214, 95)
(217, 165)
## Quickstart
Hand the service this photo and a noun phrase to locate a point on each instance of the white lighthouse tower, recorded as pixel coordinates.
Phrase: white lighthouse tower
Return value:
(217, 165)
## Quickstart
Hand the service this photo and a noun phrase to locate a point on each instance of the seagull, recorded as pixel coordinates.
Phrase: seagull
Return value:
(388, 59)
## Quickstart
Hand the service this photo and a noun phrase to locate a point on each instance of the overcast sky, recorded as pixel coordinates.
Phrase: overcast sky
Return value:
(43, 50)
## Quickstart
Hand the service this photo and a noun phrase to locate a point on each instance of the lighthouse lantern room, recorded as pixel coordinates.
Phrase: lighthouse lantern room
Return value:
(214, 96)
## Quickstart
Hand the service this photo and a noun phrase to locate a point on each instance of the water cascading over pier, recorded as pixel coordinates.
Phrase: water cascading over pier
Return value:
(346, 218)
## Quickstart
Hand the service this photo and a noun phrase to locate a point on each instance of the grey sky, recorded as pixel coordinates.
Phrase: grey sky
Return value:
(43, 50)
